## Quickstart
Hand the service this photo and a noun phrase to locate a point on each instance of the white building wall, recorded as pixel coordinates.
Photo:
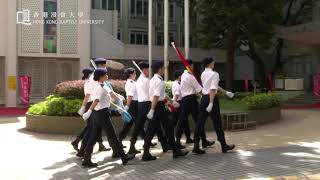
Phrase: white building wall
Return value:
(3, 29)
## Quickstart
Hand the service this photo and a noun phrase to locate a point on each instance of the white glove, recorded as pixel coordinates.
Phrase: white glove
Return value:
(230, 94)
(87, 115)
(126, 108)
(82, 110)
(209, 108)
(150, 114)
(175, 104)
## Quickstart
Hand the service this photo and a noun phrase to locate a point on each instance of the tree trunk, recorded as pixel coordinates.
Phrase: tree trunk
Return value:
(259, 66)
(231, 49)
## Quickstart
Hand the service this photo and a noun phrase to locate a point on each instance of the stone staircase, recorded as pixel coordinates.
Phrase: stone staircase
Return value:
(302, 100)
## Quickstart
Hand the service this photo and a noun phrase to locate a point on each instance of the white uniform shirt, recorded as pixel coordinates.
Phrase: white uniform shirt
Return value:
(210, 80)
(143, 88)
(157, 87)
(102, 95)
(131, 89)
(176, 90)
(189, 85)
(89, 86)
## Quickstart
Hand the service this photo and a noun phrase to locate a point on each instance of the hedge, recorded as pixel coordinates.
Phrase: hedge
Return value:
(263, 101)
(56, 106)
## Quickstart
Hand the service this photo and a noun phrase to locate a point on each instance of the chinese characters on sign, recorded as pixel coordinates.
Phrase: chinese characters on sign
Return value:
(25, 84)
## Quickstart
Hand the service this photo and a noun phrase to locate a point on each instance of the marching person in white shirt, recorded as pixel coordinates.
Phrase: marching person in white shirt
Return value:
(132, 108)
(209, 106)
(190, 88)
(144, 104)
(158, 114)
(176, 92)
(99, 110)
(100, 63)
(87, 101)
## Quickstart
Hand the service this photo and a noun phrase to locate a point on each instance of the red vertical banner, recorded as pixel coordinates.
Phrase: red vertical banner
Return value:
(270, 82)
(246, 83)
(316, 84)
(25, 84)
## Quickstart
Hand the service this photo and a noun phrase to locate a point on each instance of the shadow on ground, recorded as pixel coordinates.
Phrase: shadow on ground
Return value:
(293, 160)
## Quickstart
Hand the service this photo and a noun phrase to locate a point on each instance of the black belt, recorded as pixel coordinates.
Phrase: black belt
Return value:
(190, 96)
(104, 109)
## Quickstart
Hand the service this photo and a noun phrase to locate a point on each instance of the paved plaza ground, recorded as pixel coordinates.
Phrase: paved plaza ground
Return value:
(288, 149)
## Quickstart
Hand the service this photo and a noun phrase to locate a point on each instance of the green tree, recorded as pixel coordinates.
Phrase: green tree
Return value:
(244, 25)
(295, 12)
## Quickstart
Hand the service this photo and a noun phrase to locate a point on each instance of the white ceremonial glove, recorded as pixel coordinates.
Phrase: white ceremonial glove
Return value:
(150, 114)
(209, 108)
(230, 94)
(82, 110)
(87, 115)
(126, 108)
(175, 104)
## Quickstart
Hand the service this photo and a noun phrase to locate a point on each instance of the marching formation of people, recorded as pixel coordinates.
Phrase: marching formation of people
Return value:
(146, 102)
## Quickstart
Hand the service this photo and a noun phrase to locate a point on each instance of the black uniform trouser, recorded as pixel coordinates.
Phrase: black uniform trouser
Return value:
(101, 119)
(85, 129)
(160, 118)
(143, 110)
(215, 117)
(175, 118)
(133, 110)
(189, 105)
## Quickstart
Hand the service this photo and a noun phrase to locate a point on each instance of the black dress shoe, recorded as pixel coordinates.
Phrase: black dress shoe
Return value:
(189, 141)
(133, 151)
(207, 143)
(180, 153)
(198, 151)
(179, 146)
(148, 157)
(127, 158)
(89, 164)
(103, 148)
(115, 155)
(75, 145)
(80, 154)
(226, 148)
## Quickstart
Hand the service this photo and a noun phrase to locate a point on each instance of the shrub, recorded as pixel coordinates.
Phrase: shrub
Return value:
(169, 88)
(263, 101)
(38, 109)
(56, 106)
(71, 107)
(70, 89)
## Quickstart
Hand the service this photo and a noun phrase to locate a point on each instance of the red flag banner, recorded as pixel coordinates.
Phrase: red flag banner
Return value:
(184, 61)
(316, 84)
(25, 84)
(270, 82)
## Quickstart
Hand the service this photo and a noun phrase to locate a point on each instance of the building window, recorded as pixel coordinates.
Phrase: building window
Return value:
(160, 11)
(139, 8)
(139, 37)
(50, 29)
(160, 38)
(119, 35)
(106, 5)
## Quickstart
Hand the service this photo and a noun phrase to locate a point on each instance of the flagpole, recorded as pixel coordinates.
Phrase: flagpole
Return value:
(186, 29)
(150, 36)
(166, 38)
